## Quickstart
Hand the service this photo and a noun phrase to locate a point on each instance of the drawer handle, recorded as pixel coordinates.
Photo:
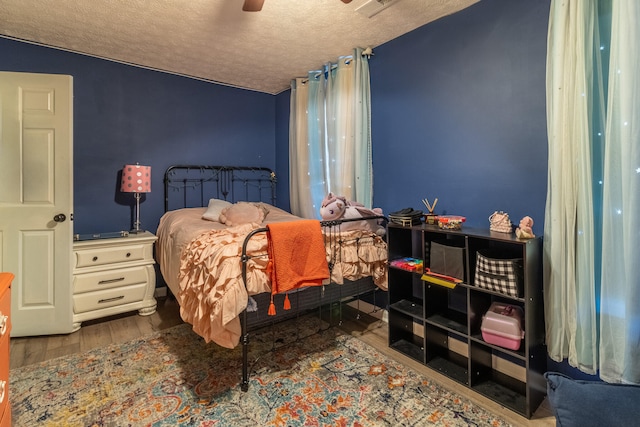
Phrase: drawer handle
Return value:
(128, 254)
(95, 258)
(3, 386)
(3, 324)
(104, 282)
(102, 301)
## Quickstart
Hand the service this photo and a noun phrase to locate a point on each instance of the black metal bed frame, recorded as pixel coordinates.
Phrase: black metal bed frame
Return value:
(199, 183)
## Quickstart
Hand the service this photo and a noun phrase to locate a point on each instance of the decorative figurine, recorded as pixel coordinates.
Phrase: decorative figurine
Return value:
(525, 229)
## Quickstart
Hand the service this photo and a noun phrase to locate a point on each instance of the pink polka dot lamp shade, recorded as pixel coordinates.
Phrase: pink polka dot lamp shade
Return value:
(136, 179)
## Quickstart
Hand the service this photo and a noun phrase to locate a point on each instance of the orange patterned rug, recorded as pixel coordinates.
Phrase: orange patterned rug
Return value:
(174, 378)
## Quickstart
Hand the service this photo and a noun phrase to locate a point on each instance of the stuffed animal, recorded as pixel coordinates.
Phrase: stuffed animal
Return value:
(525, 229)
(338, 207)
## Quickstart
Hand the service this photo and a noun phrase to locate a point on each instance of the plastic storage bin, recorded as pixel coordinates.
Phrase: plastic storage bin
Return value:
(451, 222)
(502, 325)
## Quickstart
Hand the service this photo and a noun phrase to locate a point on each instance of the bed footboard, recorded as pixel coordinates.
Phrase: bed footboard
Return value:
(308, 299)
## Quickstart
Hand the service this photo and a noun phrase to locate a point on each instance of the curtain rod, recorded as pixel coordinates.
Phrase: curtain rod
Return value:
(366, 52)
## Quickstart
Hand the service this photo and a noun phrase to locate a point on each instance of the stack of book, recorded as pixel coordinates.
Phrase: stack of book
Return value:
(406, 217)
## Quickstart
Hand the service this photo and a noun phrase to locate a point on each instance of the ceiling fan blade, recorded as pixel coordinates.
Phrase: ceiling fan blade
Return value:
(252, 5)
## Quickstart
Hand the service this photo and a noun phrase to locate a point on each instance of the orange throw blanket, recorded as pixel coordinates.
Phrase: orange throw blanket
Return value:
(297, 257)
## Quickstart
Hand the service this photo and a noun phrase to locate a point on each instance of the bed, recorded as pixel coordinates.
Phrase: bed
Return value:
(219, 271)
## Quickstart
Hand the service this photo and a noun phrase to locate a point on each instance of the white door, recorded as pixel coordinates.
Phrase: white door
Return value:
(36, 199)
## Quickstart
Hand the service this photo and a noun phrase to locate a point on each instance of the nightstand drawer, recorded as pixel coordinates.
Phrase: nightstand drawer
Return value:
(108, 279)
(97, 300)
(114, 255)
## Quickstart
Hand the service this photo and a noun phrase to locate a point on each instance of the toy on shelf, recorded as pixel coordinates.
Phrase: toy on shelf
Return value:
(525, 229)
(408, 263)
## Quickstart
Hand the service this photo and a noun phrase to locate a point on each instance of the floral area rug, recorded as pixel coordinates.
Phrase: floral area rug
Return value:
(174, 378)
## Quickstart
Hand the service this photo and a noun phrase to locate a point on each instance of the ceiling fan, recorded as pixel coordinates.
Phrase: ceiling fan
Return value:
(256, 5)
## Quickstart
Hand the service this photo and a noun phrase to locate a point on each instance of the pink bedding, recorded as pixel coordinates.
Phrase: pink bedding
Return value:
(201, 262)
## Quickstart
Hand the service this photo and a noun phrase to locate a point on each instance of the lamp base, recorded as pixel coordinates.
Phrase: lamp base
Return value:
(136, 224)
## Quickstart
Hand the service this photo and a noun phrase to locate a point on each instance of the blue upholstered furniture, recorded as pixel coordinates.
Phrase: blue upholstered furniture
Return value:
(592, 403)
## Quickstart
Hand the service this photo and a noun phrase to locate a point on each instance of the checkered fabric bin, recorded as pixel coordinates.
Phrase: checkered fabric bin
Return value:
(498, 275)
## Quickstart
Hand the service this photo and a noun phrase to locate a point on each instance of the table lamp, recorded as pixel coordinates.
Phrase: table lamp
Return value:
(136, 179)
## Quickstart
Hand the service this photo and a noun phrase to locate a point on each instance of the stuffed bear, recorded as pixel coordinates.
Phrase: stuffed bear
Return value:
(525, 229)
(337, 207)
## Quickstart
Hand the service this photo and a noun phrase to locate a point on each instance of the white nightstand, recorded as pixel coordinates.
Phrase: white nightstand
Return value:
(112, 276)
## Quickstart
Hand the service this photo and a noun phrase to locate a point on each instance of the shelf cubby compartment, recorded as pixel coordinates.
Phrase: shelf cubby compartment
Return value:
(507, 249)
(482, 300)
(408, 294)
(408, 307)
(403, 336)
(446, 238)
(446, 308)
(447, 353)
(405, 243)
(488, 380)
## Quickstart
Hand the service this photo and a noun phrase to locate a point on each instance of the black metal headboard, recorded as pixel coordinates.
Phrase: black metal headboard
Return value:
(193, 185)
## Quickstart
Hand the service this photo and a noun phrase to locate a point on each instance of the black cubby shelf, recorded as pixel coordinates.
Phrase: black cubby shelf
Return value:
(440, 326)
(409, 307)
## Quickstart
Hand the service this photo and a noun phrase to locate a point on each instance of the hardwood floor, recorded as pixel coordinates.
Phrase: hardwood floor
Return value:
(100, 333)
(93, 334)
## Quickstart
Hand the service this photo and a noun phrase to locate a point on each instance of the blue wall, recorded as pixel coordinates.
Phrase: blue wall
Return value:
(458, 113)
(124, 114)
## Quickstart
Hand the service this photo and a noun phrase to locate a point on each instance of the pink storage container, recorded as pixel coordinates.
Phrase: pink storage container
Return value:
(502, 325)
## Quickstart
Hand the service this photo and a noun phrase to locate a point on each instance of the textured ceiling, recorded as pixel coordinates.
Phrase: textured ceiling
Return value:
(214, 40)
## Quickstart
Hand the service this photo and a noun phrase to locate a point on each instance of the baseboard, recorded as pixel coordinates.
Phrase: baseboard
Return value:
(370, 309)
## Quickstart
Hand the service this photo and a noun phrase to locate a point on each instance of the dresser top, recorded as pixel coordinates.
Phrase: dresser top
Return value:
(5, 281)
(132, 238)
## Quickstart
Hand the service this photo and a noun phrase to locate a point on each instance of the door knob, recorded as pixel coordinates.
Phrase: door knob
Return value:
(60, 218)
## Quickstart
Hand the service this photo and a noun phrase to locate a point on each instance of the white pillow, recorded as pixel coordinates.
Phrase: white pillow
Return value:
(215, 208)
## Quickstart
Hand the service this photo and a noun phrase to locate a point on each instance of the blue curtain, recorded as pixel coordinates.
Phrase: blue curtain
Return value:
(591, 255)
(330, 135)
